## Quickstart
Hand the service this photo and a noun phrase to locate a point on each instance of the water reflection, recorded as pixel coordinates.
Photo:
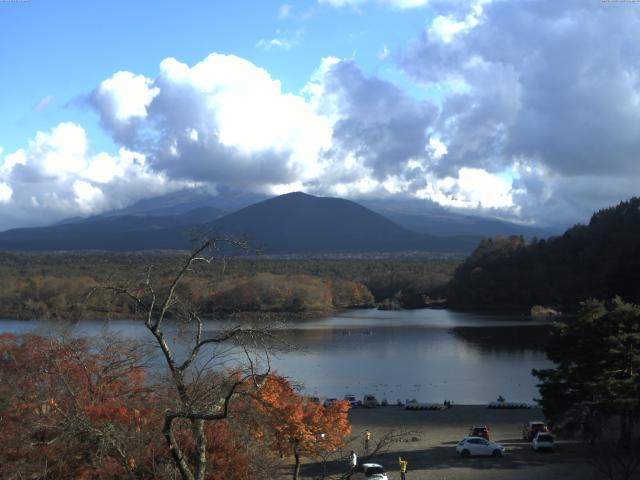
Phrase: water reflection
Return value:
(430, 355)
(505, 339)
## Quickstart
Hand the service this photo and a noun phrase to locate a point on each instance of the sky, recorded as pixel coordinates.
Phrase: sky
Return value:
(523, 110)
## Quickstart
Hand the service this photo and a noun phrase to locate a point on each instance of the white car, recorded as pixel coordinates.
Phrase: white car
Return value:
(469, 446)
(542, 441)
(370, 471)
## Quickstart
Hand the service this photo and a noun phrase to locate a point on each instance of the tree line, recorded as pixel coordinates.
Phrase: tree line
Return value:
(598, 260)
(55, 285)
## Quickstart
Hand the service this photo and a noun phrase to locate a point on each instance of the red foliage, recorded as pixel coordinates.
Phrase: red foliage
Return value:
(70, 410)
(293, 424)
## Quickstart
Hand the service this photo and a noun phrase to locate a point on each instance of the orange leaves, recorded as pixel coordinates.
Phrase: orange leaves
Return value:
(289, 420)
(108, 411)
(74, 407)
(80, 411)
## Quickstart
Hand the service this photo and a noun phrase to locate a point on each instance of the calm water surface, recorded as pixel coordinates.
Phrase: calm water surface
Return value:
(429, 355)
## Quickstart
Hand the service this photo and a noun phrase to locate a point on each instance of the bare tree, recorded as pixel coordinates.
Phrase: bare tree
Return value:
(203, 394)
(615, 460)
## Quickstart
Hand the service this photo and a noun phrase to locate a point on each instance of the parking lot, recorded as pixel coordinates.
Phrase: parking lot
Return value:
(428, 439)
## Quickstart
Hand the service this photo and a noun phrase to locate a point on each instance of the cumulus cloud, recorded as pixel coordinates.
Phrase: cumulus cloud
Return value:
(535, 118)
(5, 192)
(225, 120)
(57, 176)
(123, 100)
(552, 85)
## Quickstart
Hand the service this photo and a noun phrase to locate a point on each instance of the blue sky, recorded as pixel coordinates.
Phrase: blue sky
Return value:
(525, 110)
(61, 50)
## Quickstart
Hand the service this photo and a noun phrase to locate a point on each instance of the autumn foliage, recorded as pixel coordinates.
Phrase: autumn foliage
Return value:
(294, 425)
(71, 409)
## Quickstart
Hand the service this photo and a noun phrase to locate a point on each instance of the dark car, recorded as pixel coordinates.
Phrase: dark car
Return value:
(480, 431)
(530, 430)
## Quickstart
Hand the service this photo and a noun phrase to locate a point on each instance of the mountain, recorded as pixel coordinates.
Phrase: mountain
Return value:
(125, 232)
(431, 218)
(301, 223)
(292, 223)
(599, 260)
(187, 200)
(418, 216)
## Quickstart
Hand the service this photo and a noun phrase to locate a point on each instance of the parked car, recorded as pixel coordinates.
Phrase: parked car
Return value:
(352, 400)
(370, 401)
(529, 430)
(328, 402)
(370, 471)
(315, 399)
(542, 441)
(469, 446)
(480, 431)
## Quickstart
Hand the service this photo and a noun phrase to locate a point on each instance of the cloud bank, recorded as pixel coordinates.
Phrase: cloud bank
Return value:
(535, 119)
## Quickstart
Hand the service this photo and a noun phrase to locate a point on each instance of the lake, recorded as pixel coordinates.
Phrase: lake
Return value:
(430, 355)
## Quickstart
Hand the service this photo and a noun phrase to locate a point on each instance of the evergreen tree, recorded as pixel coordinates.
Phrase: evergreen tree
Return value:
(597, 378)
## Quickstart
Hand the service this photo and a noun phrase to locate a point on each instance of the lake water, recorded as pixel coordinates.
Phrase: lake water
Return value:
(429, 355)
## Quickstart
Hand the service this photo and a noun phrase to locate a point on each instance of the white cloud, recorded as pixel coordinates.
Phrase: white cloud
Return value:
(446, 28)
(10, 160)
(226, 121)
(546, 90)
(126, 95)
(246, 129)
(43, 103)
(57, 176)
(282, 42)
(285, 11)
(88, 197)
(438, 149)
(60, 152)
(5, 192)
(384, 53)
(473, 188)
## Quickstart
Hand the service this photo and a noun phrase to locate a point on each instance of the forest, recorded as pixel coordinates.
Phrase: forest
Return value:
(56, 285)
(597, 260)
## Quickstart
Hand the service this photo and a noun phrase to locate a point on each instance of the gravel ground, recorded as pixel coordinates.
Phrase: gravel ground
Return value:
(429, 439)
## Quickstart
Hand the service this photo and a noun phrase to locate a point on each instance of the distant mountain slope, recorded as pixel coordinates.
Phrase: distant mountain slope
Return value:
(292, 223)
(184, 201)
(433, 219)
(599, 260)
(126, 232)
(300, 223)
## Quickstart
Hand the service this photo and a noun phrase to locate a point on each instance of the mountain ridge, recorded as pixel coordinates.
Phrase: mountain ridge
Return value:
(290, 223)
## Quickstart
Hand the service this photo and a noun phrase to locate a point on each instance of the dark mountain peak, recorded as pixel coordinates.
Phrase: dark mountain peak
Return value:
(301, 223)
(292, 223)
(294, 195)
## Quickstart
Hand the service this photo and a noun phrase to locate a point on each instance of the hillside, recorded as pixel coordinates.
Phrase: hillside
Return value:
(126, 232)
(433, 219)
(301, 223)
(600, 260)
(292, 223)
